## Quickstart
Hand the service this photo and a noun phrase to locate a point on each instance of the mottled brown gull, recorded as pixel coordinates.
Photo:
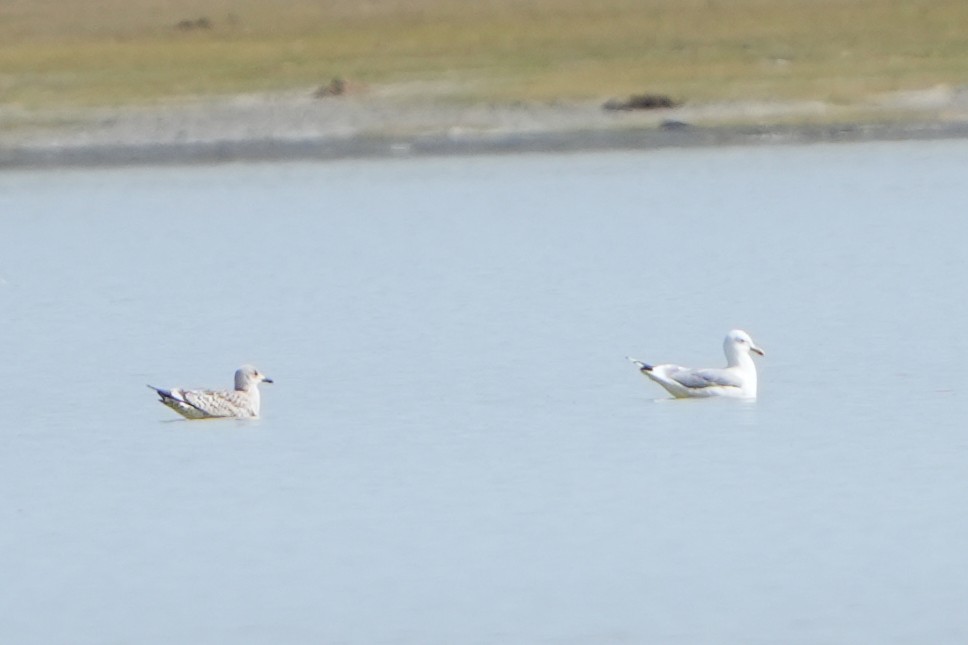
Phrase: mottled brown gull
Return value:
(737, 379)
(241, 402)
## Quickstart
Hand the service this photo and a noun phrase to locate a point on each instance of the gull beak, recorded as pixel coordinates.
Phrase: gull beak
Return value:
(266, 379)
(754, 348)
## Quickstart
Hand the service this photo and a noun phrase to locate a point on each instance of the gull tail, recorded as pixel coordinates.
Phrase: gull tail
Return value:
(175, 399)
(166, 394)
(160, 391)
(643, 367)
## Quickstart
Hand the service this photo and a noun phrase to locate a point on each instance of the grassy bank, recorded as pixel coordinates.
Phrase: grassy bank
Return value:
(95, 52)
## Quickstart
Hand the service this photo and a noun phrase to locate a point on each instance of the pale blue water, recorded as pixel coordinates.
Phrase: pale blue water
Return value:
(455, 450)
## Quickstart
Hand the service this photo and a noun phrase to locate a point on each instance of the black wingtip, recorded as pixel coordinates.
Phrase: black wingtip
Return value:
(164, 394)
(643, 367)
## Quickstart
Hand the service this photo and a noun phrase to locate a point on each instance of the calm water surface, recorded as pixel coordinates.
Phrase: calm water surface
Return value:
(455, 450)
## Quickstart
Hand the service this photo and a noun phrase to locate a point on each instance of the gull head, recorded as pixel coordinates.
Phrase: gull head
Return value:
(738, 342)
(248, 376)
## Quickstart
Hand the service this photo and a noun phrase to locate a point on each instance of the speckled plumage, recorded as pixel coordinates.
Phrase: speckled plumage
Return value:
(242, 402)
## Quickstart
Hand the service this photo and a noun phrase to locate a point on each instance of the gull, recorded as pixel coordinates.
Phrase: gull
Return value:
(737, 379)
(241, 402)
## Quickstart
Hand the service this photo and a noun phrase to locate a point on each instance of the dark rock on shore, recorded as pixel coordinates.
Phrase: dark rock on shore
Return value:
(336, 87)
(642, 102)
(192, 25)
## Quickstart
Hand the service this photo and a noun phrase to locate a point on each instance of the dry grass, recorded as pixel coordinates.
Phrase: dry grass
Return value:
(71, 52)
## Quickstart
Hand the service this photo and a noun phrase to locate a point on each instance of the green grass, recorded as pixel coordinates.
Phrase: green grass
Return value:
(97, 52)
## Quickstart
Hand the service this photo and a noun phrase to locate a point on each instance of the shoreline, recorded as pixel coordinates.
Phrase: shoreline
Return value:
(367, 147)
(297, 127)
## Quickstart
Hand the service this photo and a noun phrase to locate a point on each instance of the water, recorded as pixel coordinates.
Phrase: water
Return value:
(455, 449)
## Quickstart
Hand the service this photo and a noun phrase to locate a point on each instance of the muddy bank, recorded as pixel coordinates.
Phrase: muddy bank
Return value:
(204, 152)
(299, 126)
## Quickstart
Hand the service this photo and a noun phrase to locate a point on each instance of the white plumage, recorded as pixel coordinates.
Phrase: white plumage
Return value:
(243, 401)
(737, 379)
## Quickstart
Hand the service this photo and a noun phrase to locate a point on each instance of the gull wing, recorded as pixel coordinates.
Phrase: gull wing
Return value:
(699, 379)
(219, 403)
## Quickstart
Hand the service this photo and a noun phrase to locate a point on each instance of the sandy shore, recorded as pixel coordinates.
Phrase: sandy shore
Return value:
(396, 121)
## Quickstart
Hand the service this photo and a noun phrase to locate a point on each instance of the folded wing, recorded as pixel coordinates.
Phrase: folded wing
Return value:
(699, 379)
(217, 403)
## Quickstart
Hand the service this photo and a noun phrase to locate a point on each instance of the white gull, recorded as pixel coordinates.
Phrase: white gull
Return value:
(737, 379)
(243, 401)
